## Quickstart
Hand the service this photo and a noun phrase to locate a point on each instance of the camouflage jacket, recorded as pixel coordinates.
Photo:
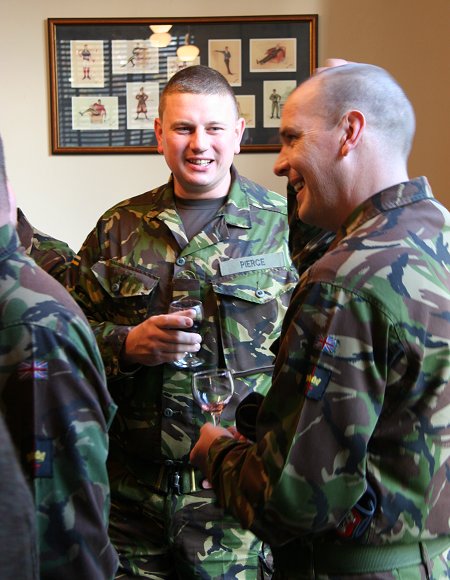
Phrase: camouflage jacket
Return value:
(138, 258)
(361, 387)
(54, 398)
(53, 256)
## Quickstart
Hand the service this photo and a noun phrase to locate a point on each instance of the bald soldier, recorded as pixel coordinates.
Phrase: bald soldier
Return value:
(347, 475)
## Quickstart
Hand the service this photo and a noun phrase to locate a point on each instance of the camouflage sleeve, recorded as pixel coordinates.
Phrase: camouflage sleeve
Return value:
(52, 255)
(342, 362)
(59, 410)
(88, 293)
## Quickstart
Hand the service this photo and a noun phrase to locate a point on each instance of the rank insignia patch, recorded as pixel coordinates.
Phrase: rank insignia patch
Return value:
(316, 383)
(41, 459)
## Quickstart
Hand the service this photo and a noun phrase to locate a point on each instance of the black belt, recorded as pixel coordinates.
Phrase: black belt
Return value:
(168, 475)
(177, 477)
(331, 558)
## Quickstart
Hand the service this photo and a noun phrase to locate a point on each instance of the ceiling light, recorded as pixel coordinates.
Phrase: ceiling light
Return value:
(160, 27)
(188, 52)
(160, 39)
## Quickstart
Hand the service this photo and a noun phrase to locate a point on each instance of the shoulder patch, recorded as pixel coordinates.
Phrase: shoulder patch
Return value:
(328, 344)
(316, 383)
(37, 370)
(41, 459)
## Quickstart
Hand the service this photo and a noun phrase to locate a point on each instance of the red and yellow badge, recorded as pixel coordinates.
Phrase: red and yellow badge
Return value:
(41, 459)
(316, 382)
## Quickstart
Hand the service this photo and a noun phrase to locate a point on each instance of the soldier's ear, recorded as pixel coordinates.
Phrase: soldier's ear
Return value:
(353, 124)
(240, 127)
(158, 133)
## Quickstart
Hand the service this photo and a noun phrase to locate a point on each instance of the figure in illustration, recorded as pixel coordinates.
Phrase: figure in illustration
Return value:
(97, 112)
(141, 103)
(226, 58)
(86, 57)
(276, 100)
(138, 56)
(276, 53)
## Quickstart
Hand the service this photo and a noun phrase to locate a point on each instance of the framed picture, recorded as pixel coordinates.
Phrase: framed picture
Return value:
(107, 74)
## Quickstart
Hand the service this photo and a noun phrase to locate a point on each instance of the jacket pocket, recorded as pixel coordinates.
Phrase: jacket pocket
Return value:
(252, 306)
(127, 290)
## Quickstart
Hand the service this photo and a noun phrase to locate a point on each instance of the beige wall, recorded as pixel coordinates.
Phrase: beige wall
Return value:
(64, 195)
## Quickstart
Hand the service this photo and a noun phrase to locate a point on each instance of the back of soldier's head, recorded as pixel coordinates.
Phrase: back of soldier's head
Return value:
(373, 91)
(197, 80)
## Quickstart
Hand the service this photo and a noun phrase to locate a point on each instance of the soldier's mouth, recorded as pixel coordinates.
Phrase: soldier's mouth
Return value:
(299, 185)
(200, 162)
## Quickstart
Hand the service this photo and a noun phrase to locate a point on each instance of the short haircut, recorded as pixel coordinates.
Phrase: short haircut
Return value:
(373, 91)
(197, 80)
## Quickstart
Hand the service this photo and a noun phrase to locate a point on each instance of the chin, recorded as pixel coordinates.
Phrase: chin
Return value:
(310, 218)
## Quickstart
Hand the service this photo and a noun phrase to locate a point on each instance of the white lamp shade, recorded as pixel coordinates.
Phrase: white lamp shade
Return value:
(188, 52)
(160, 39)
(160, 27)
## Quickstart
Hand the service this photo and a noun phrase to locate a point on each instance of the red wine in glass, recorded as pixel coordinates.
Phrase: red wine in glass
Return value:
(189, 360)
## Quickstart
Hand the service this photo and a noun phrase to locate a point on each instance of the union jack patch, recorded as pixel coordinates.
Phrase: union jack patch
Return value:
(33, 370)
(328, 344)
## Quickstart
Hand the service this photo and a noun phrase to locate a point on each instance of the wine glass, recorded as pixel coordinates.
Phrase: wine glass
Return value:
(212, 390)
(189, 360)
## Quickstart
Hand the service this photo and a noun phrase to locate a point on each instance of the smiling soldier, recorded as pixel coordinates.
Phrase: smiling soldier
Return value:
(213, 235)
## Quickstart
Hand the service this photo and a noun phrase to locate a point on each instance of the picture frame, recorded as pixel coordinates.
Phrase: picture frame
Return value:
(107, 74)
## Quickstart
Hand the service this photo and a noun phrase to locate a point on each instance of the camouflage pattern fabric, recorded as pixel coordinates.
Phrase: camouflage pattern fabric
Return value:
(306, 243)
(360, 396)
(174, 527)
(132, 265)
(52, 255)
(54, 398)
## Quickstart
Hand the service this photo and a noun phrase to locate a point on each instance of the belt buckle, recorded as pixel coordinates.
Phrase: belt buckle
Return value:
(175, 482)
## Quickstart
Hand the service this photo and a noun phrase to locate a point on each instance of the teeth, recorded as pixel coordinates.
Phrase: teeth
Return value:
(298, 186)
(201, 162)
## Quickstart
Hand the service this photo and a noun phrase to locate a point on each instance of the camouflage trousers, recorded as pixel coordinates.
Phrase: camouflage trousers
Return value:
(178, 536)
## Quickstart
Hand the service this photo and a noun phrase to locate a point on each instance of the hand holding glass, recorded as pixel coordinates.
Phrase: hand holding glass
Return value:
(189, 360)
(212, 390)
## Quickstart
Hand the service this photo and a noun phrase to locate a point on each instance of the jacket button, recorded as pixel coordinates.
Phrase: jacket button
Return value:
(259, 293)
(168, 412)
(181, 261)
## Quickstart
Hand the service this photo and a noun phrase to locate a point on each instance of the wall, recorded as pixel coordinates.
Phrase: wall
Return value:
(64, 195)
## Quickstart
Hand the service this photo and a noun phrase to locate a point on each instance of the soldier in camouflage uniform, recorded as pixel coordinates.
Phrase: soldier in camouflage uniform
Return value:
(348, 476)
(53, 256)
(210, 234)
(57, 407)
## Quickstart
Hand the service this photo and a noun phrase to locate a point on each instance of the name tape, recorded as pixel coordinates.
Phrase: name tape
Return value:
(248, 263)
